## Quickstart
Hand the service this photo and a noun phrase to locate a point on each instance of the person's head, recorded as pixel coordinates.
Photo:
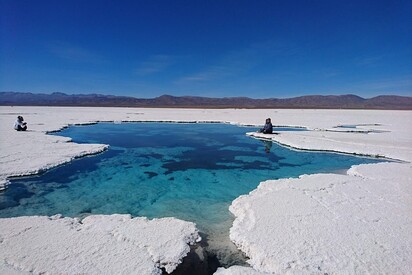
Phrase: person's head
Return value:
(268, 120)
(20, 118)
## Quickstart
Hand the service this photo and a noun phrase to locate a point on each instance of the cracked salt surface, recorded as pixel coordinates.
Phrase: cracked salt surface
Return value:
(21, 157)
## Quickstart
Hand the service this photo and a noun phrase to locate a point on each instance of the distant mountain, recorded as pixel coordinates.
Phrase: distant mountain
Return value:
(387, 102)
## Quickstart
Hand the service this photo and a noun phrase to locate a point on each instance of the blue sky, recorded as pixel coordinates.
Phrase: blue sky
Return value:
(213, 48)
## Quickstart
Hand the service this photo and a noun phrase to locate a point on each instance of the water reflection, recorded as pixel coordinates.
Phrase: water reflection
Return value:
(268, 145)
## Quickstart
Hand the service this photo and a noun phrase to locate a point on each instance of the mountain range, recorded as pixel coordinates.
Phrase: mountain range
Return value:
(385, 102)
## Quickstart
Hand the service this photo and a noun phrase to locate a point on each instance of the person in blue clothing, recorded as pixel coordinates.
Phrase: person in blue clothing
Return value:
(268, 128)
(20, 125)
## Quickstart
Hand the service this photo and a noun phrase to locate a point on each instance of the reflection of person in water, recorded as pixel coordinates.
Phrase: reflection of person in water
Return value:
(268, 145)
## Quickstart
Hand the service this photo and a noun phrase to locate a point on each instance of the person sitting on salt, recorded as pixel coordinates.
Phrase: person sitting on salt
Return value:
(20, 124)
(268, 128)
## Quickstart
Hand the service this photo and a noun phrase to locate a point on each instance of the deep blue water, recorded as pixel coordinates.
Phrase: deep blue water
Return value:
(189, 171)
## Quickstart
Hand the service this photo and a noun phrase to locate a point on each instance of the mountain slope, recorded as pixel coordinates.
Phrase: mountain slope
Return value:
(311, 101)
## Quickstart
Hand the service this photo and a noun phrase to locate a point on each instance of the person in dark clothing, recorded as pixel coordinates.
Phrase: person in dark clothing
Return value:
(268, 128)
(20, 125)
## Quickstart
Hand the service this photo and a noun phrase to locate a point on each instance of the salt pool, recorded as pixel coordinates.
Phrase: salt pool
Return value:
(189, 171)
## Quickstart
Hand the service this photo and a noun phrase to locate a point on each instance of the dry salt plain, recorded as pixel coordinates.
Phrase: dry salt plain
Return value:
(355, 222)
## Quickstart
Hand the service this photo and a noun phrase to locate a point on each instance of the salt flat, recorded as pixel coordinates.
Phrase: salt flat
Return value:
(354, 223)
(31, 152)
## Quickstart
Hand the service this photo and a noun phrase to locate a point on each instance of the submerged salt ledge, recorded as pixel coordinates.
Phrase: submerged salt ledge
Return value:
(354, 223)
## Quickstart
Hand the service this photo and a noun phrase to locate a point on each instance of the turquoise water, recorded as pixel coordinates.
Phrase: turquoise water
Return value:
(189, 171)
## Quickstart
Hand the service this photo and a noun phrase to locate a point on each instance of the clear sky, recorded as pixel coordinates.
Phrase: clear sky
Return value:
(211, 48)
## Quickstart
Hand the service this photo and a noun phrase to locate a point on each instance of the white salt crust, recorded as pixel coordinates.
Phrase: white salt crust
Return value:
(358, 223)
(351, 223)
(115, 244)
(238, 270)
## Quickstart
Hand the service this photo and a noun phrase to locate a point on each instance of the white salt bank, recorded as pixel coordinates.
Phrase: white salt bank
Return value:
(326, 223)
(115, 244)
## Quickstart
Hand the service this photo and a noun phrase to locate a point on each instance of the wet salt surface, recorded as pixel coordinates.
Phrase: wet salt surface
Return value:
(188, 171)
